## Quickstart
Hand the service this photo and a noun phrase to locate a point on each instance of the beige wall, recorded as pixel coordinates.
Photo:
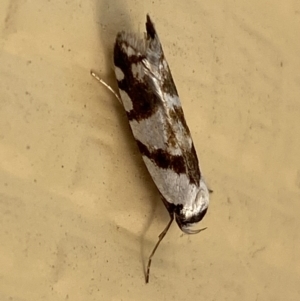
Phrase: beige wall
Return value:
(78, 211)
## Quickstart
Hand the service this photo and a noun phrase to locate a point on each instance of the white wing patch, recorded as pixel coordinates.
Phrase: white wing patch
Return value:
(153, 133)
(127, 103)
(119, 74)
(180, 192)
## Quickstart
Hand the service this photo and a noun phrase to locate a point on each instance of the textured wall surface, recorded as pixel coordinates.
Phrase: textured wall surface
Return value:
(79, 213)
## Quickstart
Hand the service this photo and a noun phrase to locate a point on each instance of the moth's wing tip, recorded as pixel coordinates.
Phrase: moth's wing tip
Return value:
(151, 32)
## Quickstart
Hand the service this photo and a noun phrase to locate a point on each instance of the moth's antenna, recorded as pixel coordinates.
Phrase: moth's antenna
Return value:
(160, 238)
(106, 85)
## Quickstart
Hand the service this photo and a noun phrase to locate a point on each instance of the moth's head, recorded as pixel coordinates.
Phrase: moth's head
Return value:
(187, 217)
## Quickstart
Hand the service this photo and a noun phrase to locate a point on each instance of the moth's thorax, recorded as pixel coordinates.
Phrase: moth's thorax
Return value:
(192, 213)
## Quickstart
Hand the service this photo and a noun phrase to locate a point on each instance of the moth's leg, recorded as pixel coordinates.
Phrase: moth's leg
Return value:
(106, 85)
(160, 238)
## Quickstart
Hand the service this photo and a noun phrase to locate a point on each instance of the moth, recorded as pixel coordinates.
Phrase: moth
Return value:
(150, 99)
